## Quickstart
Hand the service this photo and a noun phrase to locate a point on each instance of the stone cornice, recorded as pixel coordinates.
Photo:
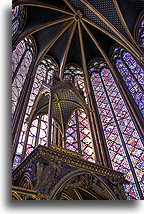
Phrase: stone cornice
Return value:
(69, 159)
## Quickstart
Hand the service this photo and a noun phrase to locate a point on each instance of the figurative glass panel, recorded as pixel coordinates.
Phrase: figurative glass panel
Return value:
(132, 73)
(120, 132)
(137, 71)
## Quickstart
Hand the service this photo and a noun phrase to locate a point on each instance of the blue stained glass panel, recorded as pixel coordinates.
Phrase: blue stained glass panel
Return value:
(115, 118)
(131, 84)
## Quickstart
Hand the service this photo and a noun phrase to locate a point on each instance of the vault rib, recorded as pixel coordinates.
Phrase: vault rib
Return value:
(37, 4)
(67, 50)
(109, 64)
(52, 42)
(109, 34)
(41, 27)
(86, 77)
(98, 14)
(70, 6)
(125, 25)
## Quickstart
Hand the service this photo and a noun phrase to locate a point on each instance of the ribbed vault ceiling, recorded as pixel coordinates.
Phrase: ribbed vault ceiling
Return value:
(72, 31)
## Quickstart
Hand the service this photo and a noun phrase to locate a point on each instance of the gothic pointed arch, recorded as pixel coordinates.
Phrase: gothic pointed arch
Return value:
(82, 185)
(25, 181)
(30, 133)
(77, 100)
(22, 57)
(139, 31)
(131, 72)
(123, 141)
(74, 73)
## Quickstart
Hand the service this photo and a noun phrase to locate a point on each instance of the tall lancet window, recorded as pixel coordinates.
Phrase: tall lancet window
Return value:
(22, 58)
(78, 136)
(35, 133)
(123, 141)
(132, 73)
(18, 15)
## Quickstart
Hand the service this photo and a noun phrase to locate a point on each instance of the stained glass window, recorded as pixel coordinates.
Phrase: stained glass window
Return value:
(75, 74)
(132, 73)
(18, 15)
(21, 60)
(17, 54)
(78, 136)
(44, 72)
(141, 37)
(71, 134)
(123, 141)
(140, 31)
(37, 133)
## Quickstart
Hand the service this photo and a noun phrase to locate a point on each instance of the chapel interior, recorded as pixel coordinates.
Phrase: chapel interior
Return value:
(77, 100)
